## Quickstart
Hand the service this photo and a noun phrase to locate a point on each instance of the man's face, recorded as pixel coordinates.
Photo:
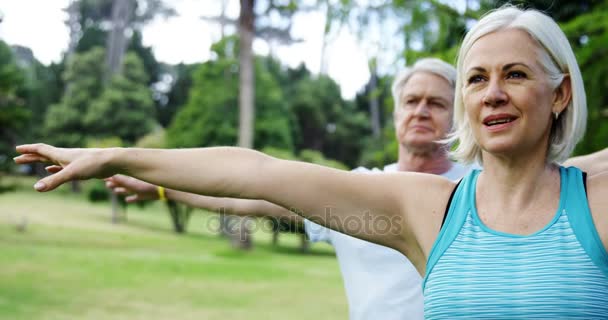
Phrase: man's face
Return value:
(425, 112)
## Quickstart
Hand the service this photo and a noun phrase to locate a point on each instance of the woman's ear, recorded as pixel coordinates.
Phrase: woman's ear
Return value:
(562, 95)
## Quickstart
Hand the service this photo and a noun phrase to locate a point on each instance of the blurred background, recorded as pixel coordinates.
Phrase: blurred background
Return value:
(298, 79)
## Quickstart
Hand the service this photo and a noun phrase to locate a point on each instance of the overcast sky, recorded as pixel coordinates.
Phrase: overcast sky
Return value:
(39, 25)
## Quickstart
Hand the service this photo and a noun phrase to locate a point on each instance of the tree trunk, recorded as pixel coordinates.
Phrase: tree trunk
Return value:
(117, 40)
(323, 62)
(116, 47)
(374, 105)
(224, 218)
(75, 186)
(246, 79)
(180, 215)
(241, 238)
(73, 24)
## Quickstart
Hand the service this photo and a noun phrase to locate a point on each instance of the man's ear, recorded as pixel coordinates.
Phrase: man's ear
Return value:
(562, 95)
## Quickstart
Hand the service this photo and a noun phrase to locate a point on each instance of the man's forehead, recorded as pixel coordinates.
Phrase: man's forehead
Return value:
(437, 91)
(423, 82)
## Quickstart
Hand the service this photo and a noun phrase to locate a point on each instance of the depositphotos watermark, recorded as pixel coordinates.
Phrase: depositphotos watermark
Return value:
(364, 224)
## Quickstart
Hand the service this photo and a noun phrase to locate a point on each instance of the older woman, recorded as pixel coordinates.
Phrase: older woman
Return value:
(524, 238)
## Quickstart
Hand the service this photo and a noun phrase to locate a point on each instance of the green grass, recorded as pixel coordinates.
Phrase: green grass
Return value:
(71, 262)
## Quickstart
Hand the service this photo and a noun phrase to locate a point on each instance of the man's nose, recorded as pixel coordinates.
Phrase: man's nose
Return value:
(422, 109)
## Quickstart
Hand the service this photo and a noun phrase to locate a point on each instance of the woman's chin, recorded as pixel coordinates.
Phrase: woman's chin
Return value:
(500, 149)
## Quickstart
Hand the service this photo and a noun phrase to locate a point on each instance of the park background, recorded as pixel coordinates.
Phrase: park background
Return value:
(79, 253)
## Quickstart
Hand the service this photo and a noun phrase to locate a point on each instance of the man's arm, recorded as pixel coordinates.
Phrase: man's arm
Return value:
(138, 190)
(593, 163)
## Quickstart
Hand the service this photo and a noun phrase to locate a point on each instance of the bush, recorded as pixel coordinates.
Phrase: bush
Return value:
(279, 153)
(96, 191)
(318, 158)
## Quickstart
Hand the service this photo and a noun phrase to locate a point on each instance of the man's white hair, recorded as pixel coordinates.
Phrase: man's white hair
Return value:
(430, 65)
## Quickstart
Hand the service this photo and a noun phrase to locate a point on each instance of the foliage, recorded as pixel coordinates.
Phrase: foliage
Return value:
(211, 113)
(99, 12)
(588, 34)
(64, 123)
(97, 191)
(306, 155)
(108, 142)
(182, 79)
(565, 11)
(125, 108)
(321, 119)
(316, 104)
(95, 36)
(89, 110)
(380, 153)
(280, 153)
(155, 139)
(317, 157)
(13, 112)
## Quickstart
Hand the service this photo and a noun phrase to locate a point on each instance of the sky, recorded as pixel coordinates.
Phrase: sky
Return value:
(39, 25)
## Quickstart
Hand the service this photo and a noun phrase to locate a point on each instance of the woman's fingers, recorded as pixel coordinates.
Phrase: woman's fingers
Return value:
(41, 149)
(53, 181)
(30, 158)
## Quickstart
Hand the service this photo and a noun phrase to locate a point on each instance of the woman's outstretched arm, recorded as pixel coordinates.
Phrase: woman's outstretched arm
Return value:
(381, 208)
(593, 163)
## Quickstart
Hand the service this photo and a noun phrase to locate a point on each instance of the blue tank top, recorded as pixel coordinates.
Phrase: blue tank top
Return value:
(559, 272)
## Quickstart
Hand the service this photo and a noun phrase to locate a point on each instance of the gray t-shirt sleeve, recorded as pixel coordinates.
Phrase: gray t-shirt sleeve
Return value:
(317, 232)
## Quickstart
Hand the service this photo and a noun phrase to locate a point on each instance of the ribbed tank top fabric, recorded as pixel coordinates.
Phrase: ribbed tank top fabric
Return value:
(559, 272)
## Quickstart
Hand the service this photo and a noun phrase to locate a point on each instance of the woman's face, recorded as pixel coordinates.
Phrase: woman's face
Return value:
(507, 95)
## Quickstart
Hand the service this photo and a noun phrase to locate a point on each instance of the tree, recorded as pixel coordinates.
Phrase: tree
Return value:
(246, 76)
(122, 16)
(181, 82)
(588, 33)
(125, 109)
(42, 87)
(64, 121)
(13, 112)
(210, 116)
(108, 23)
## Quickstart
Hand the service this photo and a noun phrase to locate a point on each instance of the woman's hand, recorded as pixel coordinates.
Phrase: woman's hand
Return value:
(67, 164)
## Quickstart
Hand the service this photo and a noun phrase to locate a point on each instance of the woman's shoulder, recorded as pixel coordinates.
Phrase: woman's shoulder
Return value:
(597, 187)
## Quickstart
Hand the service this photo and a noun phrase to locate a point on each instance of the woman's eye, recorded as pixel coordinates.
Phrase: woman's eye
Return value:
(475, 79)
(516, 75)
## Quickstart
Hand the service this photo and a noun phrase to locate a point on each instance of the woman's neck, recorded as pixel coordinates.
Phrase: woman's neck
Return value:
(517, 195)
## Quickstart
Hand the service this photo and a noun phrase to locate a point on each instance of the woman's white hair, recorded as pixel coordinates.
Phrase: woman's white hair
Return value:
(430, 65)
(557, 60)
